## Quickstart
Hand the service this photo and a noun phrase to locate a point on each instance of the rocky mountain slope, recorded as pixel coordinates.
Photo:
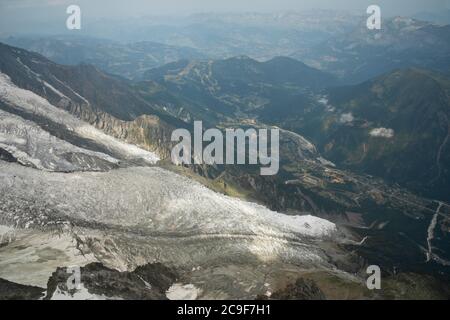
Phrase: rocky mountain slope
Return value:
(222, 89)
(104, 101)
(395, 126)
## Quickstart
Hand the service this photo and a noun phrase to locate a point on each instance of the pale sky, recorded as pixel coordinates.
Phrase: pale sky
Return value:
(148, 7)
(34, 15)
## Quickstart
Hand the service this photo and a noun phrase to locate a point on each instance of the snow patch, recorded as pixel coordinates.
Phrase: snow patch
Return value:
(346, 118)
(323, 100)
(382, 133)
(5, 230)
(178, 291)
(59, 93)
(30, 144)
(130, 150)
(326, 162)
(80, 294)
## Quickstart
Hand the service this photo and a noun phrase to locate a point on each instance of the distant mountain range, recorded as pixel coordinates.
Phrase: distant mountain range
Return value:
(362, 54)
(334, 43)
(150, 40)
(439, 17)
(127, 60)
(261, 36)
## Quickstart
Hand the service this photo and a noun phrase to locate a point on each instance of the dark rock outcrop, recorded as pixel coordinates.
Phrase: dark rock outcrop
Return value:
(148, 282)
(302, 289)
(14, 291)
(6, 156)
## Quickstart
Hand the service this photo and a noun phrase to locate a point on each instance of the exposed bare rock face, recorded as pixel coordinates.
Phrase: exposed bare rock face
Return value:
(14, 291)
(302, 289)
(148, 282)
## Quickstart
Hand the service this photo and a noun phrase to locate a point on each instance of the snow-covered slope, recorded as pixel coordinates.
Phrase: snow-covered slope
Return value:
(151, 199)
(132, 216)
(33, 146)
(29, 103)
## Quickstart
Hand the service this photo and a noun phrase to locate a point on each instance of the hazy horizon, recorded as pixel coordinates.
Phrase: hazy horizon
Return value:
(116, 8)
(26, 16)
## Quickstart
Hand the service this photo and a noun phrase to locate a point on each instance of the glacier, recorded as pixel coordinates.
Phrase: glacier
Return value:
(28, 102)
